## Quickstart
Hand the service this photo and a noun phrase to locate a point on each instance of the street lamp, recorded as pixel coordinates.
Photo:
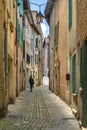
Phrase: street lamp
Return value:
(39, 16)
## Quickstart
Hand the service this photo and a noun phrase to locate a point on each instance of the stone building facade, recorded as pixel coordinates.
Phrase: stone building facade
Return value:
(70, 53)
(82, 52)
(77, 41)
(58, 46)
(50, 17)
(8, 53)
(19, 47)
(46, 56)
(3, 89)
(11, 9)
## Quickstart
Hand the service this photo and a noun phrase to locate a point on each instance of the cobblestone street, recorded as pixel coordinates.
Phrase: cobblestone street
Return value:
(39, 110)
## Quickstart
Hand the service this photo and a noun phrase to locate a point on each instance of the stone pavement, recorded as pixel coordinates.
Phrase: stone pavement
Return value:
(39, 110)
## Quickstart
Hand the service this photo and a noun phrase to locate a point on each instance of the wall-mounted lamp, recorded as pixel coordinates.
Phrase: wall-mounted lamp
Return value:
(39, 15)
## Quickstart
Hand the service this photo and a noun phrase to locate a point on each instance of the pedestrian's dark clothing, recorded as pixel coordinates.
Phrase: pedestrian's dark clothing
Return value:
(31, 81)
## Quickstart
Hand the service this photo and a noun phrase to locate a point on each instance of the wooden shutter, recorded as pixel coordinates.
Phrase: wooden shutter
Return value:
(84, 84)
(72, 74)
(36, 42)
(73, 87)
(18, 31)
(81, 68)
(69, 14)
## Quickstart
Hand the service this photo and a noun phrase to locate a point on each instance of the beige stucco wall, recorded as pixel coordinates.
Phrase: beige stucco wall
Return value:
(11, 52)
(20, 76)
(62, 46)
(51, 66)
(73, 31)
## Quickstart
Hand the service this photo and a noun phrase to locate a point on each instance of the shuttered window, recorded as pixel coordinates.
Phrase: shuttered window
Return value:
(83, 82)
(36, 42)
(21, 8)
(18, 31)
(83, 66)
(35, 59)
(19, 34)
(69, 14)
(73, 74)
(20, 3)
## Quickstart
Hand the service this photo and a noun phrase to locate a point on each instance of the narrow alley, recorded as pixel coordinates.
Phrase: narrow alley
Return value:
(39, 110)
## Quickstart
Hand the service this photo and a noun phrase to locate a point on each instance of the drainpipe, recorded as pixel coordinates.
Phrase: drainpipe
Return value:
(6, 67)
(5, 63)
(16, 55)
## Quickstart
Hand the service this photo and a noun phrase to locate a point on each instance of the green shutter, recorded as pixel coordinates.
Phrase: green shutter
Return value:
(69, 14)
(72, 74)
(84, 66)
(18, 31)
(84, 109)
(83, 70)
(35, 59)
(73, 87)
(21, 37)
(36, 42)
(81, 67)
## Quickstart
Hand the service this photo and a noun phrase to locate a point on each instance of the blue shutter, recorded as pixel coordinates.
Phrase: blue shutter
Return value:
(21, 8)
(21, 37)
(18, 2)
(69, 14)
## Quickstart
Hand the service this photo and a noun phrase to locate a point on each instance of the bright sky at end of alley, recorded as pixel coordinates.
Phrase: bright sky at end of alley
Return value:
(44, 25)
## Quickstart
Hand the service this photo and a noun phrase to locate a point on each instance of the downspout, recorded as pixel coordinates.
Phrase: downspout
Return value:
(5, 63)
(16, 54)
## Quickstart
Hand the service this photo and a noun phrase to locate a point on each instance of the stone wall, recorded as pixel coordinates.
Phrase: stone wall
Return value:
(2, 80)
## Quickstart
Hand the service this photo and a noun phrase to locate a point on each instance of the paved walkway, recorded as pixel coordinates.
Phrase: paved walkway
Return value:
(39, 110)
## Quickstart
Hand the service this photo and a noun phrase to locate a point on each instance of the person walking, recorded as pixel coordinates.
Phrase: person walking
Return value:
(31, 81)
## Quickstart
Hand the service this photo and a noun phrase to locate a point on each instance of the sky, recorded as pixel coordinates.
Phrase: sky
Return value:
(44, 25)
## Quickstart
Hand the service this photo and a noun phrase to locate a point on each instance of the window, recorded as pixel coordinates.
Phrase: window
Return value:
(73, 73)
(69, 14)
(83, 66)
(36, 43)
